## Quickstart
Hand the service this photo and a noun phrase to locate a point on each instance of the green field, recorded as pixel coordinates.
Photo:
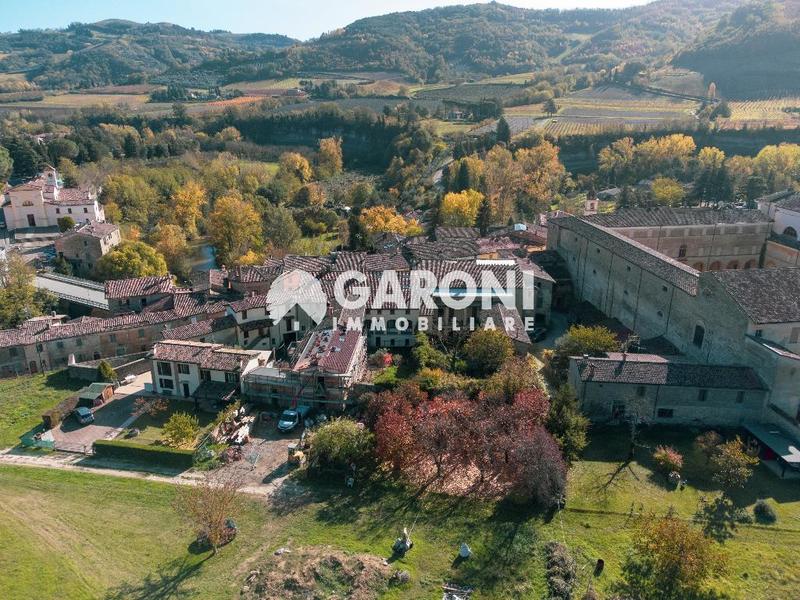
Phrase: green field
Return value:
(24, 399)
(92, 536)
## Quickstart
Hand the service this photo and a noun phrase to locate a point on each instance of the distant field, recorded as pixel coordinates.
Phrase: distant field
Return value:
(470, 92)
(142, 88)
(681, 81)
(265, 84)
(763, 113)
(449, 127)
(518, 79)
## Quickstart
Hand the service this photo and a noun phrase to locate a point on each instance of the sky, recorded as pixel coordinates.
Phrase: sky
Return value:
(301, 19)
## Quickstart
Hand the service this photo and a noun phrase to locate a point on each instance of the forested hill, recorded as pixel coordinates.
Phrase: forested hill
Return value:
(491, 39)
(754, 52)
(121, 52)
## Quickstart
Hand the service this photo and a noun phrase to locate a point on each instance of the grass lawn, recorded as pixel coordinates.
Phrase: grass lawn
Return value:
(24, 399)
(90, 536)
(151, 427)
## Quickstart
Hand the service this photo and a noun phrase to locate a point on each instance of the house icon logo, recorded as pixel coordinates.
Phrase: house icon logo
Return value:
(297, 288)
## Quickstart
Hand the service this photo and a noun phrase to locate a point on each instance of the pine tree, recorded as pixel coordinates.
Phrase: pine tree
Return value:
(484, 216)
(503, 131)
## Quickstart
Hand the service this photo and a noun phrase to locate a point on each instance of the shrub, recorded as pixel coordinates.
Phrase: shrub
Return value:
(65, 223)
(106, 372)
(340, 443)
(426, 356)
(763, 512)
(378, 358)
(181, 429)
(139, 453)
(668, 459)
(561, 570)
(387, 378)
(486, 350)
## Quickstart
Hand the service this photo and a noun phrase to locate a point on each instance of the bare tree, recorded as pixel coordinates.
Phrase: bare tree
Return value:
(209, 506)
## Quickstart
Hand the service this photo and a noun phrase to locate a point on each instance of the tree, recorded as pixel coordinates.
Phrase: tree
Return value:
(502, 182)
(106, 372)
(567, 423)
(616, 161)
(229, 134)
(19, 298)
(503, 131)
(426, 356)
(170, 241)
(296, 165)
(579, 340)
(65, 223)
(460, 209)
(667, 191)
(6, 165)
(670, 560)
(707, 443)
(339, 444)
(536, 469)
(62, 148)
(732, 466)
(279, 227)
(329, 157)
(234, 228)
(310, 195)
(484, 219)
(24, 156)
(181, 429)
(209, 505)
(187, 205)
(467, 174)
(518, 373)
(133, 195)
(667, 459)
(130, 259)
(384, 219)
(486, 350)
(541, 175)
(550, 107)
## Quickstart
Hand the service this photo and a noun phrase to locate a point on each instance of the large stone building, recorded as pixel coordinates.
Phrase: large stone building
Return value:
(706, 239)
(726, 318)
(783, 247)
(41, 202)
(86, 244)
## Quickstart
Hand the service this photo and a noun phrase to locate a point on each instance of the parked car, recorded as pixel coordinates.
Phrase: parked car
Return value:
(83, 415)
(292, 417)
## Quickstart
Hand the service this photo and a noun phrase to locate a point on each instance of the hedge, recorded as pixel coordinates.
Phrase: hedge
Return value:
(154, 455)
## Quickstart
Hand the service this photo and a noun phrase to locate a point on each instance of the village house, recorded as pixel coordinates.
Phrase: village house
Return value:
(125, 295)
(201, 370)
(783, 246)
(83, 246)
(42, 201)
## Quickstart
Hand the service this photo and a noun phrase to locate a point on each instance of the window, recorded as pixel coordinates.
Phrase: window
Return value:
(183, 368)
(790, 232)
(699, 335)
(664, 288)
(59, 345)
(112, 338)
(141, 333)
(167, 384)
(86, 210)
(58, 211)
(665, 413)
(246, 334)
(739, 397)
(39, 348)
(640, 391)
(79, 342)
(231, 377)
(702, 395)
(759, 333)
(794, 337)
(69, 210)
(244, 314)
(205, 375)
(164, 368)
(682, 251)
(12, 352)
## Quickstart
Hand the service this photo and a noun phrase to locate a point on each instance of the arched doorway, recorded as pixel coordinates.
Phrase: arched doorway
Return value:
(715, 266)
(791, 232)
(750, 264)
(733, 265)
(699, 267)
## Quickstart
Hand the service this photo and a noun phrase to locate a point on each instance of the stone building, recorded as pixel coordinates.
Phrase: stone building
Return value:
(135, 294)
(83, 246)
(705, 239)
(721, 318)
(783, 247)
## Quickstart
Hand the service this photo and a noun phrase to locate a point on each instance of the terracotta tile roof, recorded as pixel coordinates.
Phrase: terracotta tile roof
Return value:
(764, 295)
(790, 203)
(663, 267)
(73, 197)
(677, 217)
(199, 329)
(474, 268)
(463, 233)
(141, 286)
(509, 321)
(330, 350)
(385, 262)
(651, 369)
(92, 229)
(449, 249)
(207, 356)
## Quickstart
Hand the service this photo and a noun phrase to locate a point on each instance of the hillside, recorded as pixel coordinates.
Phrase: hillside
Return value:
(493, 39)
(120, 52)
(755, 52)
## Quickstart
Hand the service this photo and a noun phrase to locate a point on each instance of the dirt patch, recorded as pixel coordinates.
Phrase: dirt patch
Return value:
(318, 573)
